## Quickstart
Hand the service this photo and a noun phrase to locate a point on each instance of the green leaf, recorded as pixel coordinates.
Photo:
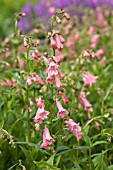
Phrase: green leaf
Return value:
(2, 124)
(58, 160)
(101, 163)
(78, 147)
(99, 142)
(45, 165)
(86, 130)
(28, 154)
(13, 166)
(32, 144)
(54, 18)
(51, 160)
(110, 167)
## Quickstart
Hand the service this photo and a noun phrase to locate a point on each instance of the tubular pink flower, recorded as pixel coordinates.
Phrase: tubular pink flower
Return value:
(83, 101)
(47, 139)
(50, 79)
(61, 111)
(53, 42)
(58, 82)
(89, 79)
(29, 109)
(61, 74)
(34, 56)
(31, 103)
(59, 43)
(58, 20)
(29, 82)
(99, 53)
(38, 80)
(91, 30)
(65, 99)
(37, 53)
(62, 40)
(41, 115)
(53, 68)
(74, 128)
(37, 128)
(40, 102)
(94, 40)
(58, 58)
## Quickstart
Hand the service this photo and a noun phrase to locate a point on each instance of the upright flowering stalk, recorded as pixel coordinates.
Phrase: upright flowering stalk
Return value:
(54, 72)
(47, 139)
(74, 128)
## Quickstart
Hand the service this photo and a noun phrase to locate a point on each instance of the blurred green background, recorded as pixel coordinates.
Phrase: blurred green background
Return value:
(7, 10)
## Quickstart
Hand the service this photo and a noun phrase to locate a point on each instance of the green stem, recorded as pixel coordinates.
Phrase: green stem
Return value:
(28, 115)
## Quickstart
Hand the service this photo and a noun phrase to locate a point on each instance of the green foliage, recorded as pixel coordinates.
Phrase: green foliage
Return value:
(20, 143)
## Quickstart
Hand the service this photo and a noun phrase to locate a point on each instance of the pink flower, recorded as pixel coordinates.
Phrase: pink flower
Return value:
(84, 102)
(58, 58)
(61, 111)
(29, 82)
(34, 56)
(53, 42)
(37, 53)
(29, 109)
(99, 53)
(89, 79)
(94, 40)
(74, 128)
(65, 99)
(26, 44)
(41, 115)
(58, 20)
(53, 68)
(89, 116)
(40, 102)
(37, 128)
(58, 82)
(31, 103)
(47, 139)
(61, 74)
(59, 42)
(38, 80)
(86, 54)
(91, 30)
(49, 79)
(62, 40)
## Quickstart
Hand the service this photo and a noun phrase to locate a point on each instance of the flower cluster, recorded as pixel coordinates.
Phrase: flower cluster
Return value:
(74, 128)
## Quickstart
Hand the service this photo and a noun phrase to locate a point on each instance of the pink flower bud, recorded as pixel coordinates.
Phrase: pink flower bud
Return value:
(37, 53)
(53, 42)
(31, 103)
(58, 20)
(65, 99)
(37, 128)
(58, 82)
(29, 82)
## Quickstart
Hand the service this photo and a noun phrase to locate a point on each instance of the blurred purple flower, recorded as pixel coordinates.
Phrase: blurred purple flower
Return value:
(26, 23)
(46, 8)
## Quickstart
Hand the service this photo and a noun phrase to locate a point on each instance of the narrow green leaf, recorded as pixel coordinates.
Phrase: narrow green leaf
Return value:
(51, 160)
(99, 142)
